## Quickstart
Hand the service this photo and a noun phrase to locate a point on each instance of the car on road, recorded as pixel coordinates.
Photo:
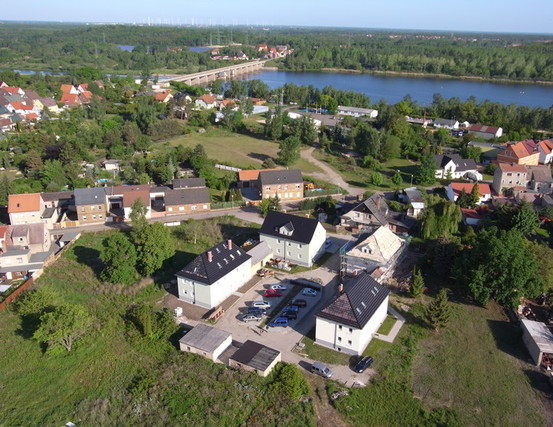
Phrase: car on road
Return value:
(256, 310)
(261, 304)
(271, 293)
(279, 287)
(299, 302)
(363, 364)
(279, 321)
(308, 292)
(251, 318)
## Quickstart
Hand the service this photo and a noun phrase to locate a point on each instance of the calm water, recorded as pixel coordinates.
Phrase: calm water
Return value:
(394, 88)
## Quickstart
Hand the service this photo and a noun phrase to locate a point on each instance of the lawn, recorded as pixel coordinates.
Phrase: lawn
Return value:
(387, 325)
(235, 149)
(476, 366)
(323, 354)
(116, 376)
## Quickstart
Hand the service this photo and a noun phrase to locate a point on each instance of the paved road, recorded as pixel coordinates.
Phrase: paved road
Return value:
(329, 174)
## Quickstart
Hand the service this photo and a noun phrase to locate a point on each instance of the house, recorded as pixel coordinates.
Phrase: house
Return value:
(296, 239)
(509, 175)
(472, 216)
(214, 275)
(538, 340)
(262, 48)
(206, 341)
(188, 183)
(252, 356)
(539, 179)
(90, 205)
(187, 200)
(261, 254)
(485, 132)
(69, 89)
(50, 104)
(454, 189)
(125, 196)
(453, 166)
(351, 319)
(249, 177)
(415, 199)
(521, 153)
(446, 124)
(163, 96)
(357, 112)
(25, 208)
(112, 165)
(6, 124)
(286, 184)
(206, 102)
(374, 212)
(545, 148)
(382, 249)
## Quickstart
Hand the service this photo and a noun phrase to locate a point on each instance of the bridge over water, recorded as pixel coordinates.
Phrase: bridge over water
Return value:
(204, 77)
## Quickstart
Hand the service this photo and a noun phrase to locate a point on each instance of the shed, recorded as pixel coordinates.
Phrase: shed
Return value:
(538, 340)
(206, 341)
(260, 253)
(252, 356)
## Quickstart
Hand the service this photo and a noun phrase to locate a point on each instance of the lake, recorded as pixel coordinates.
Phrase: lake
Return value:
(421, 89)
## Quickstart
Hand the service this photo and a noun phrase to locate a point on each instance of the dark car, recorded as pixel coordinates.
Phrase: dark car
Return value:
(290, 315)
(290, 309)
(255, 310)
(299, 303)
(363, 364)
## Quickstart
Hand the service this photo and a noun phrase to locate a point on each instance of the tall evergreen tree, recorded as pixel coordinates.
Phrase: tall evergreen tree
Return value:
(439, 311)
(416, 286)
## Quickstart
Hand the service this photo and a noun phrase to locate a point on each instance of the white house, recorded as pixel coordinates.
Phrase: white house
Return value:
(446, 124)
(415, 199)
(206, 341)
(454, 189)
(294, 116)
(453, 166)
(349, 322)
(545, 148)
(296, 239)
(486, 132)
(206, 102)
(214, 275)
(357, 112)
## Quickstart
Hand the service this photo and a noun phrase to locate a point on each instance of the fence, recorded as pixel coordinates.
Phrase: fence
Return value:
(16, 293)
(317, 193)
(226, 205)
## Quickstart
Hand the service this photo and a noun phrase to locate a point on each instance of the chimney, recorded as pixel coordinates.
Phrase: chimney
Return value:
(341, 288)
(378, 202)
(209, 256)
(229, 244)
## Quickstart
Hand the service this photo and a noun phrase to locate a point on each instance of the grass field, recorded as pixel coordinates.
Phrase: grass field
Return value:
(387, 325)
(235, 149)
(116, 376)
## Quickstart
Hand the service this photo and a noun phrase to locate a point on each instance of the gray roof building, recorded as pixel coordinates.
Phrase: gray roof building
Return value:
(187, 196)
(188, 183)
(90, 196)
(280, 176)
(255, 356)
(206, 341)
(290, 227)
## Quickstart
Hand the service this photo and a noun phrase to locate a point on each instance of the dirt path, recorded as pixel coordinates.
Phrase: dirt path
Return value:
(329, 174)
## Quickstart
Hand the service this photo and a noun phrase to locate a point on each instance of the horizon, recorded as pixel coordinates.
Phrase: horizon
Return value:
(494, 16)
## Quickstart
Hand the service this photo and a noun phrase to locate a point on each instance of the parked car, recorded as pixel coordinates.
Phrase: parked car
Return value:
(299, 303)
(257, 310)
(270, 293)
(290, 315)
(320, 369)
(291, 309)
(279, 321)
(261, 304)
(251, 318)
(308, 292)
(328, 242)
(363, 364)
(278, 287)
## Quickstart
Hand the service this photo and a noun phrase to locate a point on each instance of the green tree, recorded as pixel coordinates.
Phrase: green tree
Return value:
(465, 200)
(416, 286)
(475, 195)
(60, 328)
(268, 163)
(289, 384)
(377, 178)
(269, 204)
(397, 180)
(217, 86)
(5, 190)
(138, 214)
(119, 257)
(145, 114)
(144, 318)
(52, 175)
(441, 217)
(525, 219)
(289, 151)
(154, 245)
(439, 311)
(426, 171)
(471, 152)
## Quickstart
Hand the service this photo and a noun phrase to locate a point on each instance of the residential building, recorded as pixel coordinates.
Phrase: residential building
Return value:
(538, 340)
(205, 341)
(261, 254)
(545, 148)
(112, 165)
(485, 132)
(252, 356)
(381, 249)
(163, 96)
(214, 275)
(509, 175)
(539, 179)
(25, 208)
(91, 204)
(187, 200)
(124, 197)
(206, 102)
(357, 112)
(522, 153)
(472, 216)
(351, 319)
(446, 124)
(180, 183)
(286, 184)
(454, 189)
(453, 166)
(415, 199)
(249, 177)
(296, 239)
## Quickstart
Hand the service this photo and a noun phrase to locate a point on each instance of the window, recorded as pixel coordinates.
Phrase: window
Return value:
(300, 246)
(278, 251)
(99, 208)
(289, 243)
(340, 327)
(299, 256)
(339, 339)
(93, 216)
(20, 260)
(279, 241)
(350, 330)
(289, 253)
(194, 207)
(509, 174)
(205, 206)
(82, 209)
(268, 187)
(170, 209)
(349, 342)
(181, 208)
(84, 217)
(92, 208)
(100, 216)
(298, 186)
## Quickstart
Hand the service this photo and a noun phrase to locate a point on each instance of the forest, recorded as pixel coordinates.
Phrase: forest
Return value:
(66, 47)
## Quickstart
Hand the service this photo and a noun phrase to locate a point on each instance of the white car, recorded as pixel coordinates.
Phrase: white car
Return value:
(278, 287)
(261, 304)
(308, 292)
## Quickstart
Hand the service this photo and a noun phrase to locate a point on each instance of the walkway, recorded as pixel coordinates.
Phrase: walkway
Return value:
(395, 329)
(329, 174)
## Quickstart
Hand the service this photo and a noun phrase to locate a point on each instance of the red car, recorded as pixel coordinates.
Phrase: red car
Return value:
(272, 293)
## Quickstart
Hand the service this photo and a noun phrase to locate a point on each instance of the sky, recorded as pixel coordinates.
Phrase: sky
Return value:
(530, 16)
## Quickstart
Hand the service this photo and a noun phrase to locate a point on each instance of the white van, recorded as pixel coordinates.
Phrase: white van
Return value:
(320, 369)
